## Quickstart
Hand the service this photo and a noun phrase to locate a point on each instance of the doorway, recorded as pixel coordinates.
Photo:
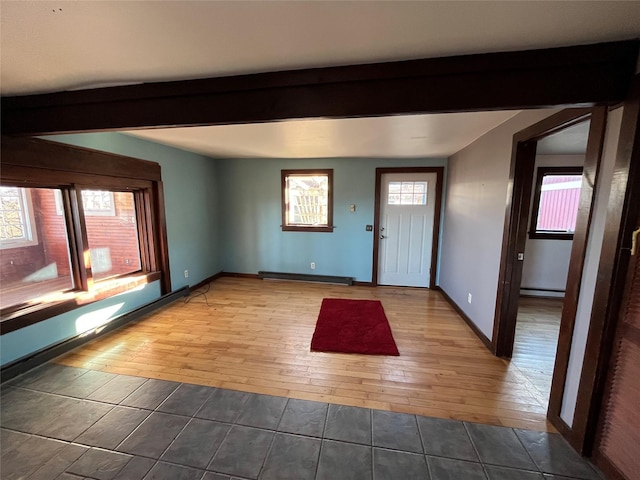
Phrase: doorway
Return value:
(407, 226)
(406, 229)
(556, 187)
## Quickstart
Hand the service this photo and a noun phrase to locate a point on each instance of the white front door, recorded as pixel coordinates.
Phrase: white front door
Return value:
(407, 207)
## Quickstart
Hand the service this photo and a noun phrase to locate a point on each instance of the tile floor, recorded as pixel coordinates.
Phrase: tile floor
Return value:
(61, 422)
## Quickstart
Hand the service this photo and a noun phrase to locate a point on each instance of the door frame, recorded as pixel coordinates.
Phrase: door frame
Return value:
(439, 171)
(516, 223)
(514, 240)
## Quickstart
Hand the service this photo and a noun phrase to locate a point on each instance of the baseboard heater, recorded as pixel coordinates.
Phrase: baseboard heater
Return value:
(303, 277)
(32, 360)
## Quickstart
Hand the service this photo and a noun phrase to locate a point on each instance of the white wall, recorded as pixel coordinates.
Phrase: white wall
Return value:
(546, 261)
(591, 264)
(477, 190)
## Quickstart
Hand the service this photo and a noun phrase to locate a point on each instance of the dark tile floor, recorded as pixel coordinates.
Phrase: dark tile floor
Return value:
(68, 423)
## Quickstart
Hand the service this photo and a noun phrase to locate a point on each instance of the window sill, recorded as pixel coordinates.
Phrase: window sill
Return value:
(15, 318)
(292, 228)
(550, 236)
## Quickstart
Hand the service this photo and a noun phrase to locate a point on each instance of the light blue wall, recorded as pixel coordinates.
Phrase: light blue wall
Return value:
(252, 214)
(192, 212)
(31, 339)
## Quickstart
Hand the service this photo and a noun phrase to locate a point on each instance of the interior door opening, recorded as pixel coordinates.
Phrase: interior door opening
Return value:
(553, 207)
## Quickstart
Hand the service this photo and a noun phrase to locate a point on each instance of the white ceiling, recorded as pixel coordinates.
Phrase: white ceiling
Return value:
(395, 136)
(570, 141)
(50, 46)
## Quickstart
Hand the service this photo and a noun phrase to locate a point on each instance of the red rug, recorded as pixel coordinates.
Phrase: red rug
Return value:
(353, 326)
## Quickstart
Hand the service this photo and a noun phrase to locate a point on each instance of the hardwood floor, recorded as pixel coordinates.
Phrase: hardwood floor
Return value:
(534, 350)
(254, 336)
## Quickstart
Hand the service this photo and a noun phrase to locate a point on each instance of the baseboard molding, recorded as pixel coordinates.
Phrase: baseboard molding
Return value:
(364, 284)
(306, 278)
(467, 320)
(608, 469)
(23, 364)
(541, 293)
(240, 275)
(206, 281)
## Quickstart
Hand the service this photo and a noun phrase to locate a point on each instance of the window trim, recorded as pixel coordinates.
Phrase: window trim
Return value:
(36, 163)
(31, 234)
(540, 174)
(309, 173)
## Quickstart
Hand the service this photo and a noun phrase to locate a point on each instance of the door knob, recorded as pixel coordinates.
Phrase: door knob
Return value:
(382, 236)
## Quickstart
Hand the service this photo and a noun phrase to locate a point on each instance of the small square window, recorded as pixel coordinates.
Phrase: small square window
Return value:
(307, 200)
(556, 201)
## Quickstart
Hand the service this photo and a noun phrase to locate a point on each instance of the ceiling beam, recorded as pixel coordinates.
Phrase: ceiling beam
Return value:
(578, 76)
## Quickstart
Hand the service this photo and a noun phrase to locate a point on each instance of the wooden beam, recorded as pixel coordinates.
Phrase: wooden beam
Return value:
(580, 75)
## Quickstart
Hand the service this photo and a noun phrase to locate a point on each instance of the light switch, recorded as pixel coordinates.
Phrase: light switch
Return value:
(352, 207)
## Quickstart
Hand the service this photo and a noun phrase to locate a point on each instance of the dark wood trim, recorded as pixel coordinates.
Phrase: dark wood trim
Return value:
(363, 284)
(467, 319)
(283, 188)
(514, 240)
(241, 275)
(515, 225)
(590, 181)
(562, 427)
(303, 277)
(537, 192)
(22, 365)
(553, 124)
(439, 171)
(161, 241)
(76, 261)
(622, 212)
(54, 156)
(34, 163)
(81, 240)
(577, 75)
(70, 301)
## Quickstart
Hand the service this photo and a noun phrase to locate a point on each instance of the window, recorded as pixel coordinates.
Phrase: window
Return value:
(80, 231)
(113, 238)
(41, 266)
(407, 193)
(555, 202)
(307, 200)
(16, 218)
(94, 202)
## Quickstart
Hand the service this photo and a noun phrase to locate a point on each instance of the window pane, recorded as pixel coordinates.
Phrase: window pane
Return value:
(98, 202)
(113, 238)
(308, 199)
(34, 252)
(407, 193)
(559, 198)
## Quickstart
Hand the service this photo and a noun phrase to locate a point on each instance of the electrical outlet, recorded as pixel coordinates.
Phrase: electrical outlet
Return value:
(186, 274)
(469, 297)
(313, 265)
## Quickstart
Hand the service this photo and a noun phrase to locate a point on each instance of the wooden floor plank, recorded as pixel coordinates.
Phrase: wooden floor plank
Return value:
(254, 336)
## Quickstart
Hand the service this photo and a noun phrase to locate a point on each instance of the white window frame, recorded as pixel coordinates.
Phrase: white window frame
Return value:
(30, 236)
(110, 212)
